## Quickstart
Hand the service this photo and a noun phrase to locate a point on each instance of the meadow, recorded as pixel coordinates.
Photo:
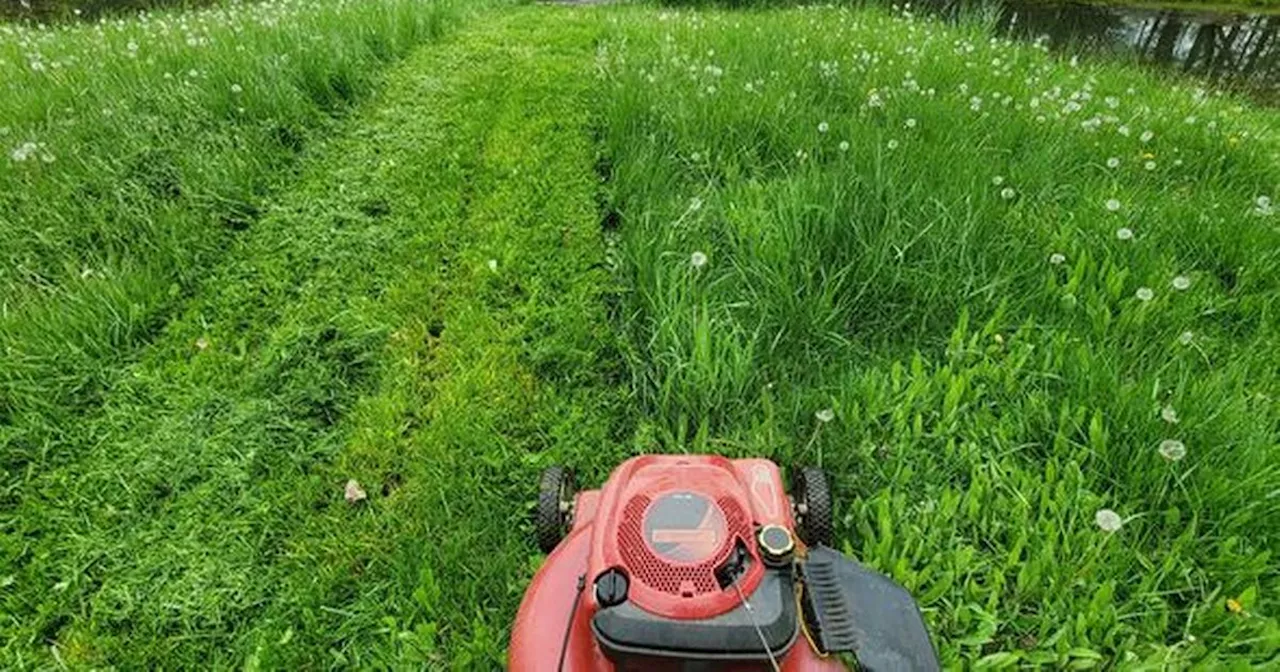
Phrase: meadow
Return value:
(134, 151)
(1021, 305)
(1000, 294)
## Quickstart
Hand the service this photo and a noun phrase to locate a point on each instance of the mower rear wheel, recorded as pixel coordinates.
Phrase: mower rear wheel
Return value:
(811, 493)
(556, 490)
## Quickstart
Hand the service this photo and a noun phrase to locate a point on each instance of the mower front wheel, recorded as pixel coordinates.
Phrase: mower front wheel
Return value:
(556, 490)
(811, 494)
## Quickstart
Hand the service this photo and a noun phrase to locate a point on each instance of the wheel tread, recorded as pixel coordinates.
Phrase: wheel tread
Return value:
(814, 490)
(549, 523)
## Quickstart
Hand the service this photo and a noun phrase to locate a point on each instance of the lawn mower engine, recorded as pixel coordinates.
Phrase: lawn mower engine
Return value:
(701, 563)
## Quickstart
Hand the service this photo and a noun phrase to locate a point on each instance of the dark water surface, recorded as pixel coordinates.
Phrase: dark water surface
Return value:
(1232, 49)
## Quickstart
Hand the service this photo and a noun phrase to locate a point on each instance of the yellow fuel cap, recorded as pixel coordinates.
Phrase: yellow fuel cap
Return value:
(776, 544)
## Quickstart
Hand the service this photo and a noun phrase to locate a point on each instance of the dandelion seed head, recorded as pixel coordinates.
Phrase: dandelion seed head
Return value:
(1112, 204)
(1124, 233)
(1147, 136)
(1108, 520)
(1057, 258)
(825, 415)
(1169, 415)
(1144, 294)
(1181, 282)
(892, 144)
(844, 145)
(698, 259)
(997, 180)
(24, 151)
(1113, 162)
(823, 127)
(1008, 193)
(1149, 165)
(1172, 450)
(1262, 206)
(910, 123)
(1186, 337)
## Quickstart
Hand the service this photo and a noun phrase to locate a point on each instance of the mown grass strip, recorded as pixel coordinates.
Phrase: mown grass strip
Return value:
(359, 331)
(133, 152)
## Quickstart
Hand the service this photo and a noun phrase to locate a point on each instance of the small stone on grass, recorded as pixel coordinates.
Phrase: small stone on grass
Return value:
(353, 493)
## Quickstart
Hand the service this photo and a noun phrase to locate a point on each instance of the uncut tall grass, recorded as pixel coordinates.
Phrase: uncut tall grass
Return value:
(134, 149)
(995, 291)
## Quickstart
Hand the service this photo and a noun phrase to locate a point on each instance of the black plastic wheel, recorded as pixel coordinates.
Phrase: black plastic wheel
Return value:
(556, 489)
(811, 493)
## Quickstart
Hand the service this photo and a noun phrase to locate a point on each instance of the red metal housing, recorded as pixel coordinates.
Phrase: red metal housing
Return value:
(672, 576)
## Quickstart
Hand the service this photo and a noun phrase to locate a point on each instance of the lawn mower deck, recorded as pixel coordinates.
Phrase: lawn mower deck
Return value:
(704, 563)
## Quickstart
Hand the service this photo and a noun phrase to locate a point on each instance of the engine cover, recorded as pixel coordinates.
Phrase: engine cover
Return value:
(681, 530)
(674, 543)
(670, 522)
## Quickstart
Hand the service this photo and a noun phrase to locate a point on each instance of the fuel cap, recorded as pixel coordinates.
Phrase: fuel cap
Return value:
(776, 544)
(611, 588)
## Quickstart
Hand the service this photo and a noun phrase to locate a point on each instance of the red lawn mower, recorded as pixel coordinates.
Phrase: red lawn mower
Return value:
(699, 564)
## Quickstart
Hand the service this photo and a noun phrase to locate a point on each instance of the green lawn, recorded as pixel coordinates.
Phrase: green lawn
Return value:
(999, 270)
(420, 311)
(992, 291)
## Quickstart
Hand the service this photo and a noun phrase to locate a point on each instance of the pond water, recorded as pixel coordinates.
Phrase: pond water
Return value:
(1233, 49)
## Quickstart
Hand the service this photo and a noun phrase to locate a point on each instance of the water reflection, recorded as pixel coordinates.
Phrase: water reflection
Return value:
(1232, 49)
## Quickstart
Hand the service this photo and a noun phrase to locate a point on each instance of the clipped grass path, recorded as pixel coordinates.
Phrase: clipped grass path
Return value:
(422, 313)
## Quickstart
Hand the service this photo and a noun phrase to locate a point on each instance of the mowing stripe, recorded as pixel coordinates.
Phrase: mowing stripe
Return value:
(423, 313)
